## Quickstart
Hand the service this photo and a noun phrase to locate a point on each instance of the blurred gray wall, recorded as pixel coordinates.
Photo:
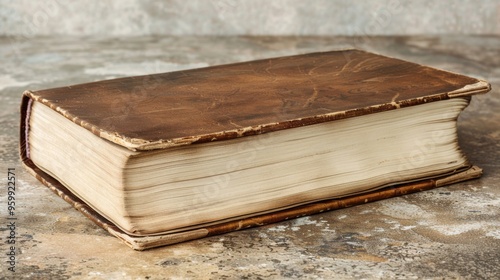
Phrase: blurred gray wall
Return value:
(250, 17)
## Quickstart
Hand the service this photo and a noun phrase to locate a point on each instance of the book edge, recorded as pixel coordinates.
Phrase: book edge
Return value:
(147, 242)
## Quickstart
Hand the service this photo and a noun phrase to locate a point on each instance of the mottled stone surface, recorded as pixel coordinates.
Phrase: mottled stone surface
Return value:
(256, 17)
(451, 232)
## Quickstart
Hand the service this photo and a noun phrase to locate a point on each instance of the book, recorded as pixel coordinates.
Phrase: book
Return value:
(165, 158)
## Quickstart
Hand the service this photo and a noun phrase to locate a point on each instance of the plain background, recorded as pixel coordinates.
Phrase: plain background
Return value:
(251, 17)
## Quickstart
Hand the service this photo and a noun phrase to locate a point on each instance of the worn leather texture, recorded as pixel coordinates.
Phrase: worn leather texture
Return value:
(228, 101)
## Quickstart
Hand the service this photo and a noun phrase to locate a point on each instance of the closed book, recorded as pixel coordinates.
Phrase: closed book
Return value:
(164, 158)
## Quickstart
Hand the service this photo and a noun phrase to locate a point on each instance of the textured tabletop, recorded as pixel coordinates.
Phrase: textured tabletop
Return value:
(450, 232)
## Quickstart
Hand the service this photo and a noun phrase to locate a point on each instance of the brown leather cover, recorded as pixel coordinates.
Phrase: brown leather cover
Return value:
(228, 101)
(234, 100)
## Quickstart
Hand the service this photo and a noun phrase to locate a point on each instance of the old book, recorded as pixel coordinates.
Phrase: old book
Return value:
(170, 157)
